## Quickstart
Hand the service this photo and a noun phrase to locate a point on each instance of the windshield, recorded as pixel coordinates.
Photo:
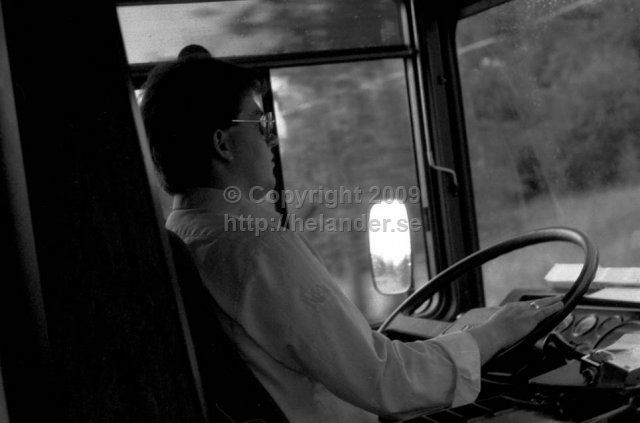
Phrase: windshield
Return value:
(552, 106)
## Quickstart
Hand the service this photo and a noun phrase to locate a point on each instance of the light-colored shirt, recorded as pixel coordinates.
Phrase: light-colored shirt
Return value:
(302, 337)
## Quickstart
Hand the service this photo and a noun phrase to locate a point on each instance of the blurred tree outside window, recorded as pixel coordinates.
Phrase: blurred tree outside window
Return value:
(552, 105)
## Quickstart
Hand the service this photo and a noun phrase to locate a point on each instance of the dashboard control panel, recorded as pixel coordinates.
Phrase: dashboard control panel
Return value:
(594, 323)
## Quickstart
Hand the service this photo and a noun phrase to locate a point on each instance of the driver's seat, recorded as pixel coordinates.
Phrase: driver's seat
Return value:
(232, 392)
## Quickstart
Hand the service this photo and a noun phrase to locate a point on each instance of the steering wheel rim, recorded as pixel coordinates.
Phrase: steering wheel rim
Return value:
(570, 299)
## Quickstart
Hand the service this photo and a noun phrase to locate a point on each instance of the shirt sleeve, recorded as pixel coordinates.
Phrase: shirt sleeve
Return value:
(289, 304)
(463, 350)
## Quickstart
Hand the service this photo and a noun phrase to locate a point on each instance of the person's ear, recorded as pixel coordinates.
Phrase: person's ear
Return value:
(222, 145)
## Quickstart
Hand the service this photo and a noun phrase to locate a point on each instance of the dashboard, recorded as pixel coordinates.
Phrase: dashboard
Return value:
(594, 324)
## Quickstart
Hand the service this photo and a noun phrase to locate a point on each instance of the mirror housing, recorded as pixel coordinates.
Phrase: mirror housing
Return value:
(390, 247)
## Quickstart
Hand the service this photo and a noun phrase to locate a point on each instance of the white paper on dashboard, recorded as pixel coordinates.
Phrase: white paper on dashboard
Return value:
(562, 275)
(617, 294)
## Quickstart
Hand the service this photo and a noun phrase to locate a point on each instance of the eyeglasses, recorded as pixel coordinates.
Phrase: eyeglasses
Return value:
(267, 124)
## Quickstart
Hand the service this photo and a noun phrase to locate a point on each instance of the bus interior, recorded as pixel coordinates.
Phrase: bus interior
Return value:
(506, 132)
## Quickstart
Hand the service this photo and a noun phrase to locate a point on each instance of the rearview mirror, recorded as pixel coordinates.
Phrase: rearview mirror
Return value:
(390, 247)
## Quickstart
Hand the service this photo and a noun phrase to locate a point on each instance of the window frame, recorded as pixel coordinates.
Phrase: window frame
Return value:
(452, 213)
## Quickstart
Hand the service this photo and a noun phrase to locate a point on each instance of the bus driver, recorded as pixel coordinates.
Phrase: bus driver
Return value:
(305, 341)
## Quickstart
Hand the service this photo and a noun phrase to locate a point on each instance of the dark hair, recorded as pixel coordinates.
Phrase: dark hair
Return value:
(184, 102)
(193, 50)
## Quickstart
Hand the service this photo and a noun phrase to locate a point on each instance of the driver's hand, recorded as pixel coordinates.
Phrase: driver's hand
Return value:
(511, 322)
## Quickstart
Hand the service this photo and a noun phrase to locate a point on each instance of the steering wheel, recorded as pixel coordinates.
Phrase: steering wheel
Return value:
(477, 259)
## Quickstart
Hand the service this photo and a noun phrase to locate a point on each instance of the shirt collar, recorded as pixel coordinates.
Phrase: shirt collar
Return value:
(220, 202)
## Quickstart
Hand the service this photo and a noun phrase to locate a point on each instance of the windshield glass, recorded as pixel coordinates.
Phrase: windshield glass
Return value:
(552, 105)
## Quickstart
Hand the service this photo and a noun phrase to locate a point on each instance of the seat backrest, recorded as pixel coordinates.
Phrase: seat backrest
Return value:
(232, 392)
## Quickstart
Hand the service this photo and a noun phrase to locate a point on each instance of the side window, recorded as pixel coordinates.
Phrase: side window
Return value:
(346, 143)
(344, 128)
(552, 106)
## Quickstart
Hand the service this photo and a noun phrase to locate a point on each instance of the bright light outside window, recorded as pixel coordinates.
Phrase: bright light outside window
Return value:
(390, 246)
(394, 235)
(552, 106)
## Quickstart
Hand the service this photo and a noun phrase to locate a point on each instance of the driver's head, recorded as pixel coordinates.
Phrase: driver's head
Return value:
(188, 107)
